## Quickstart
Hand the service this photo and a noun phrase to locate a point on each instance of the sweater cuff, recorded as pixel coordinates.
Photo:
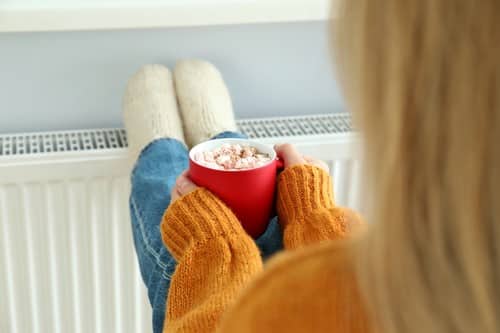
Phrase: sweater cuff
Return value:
(301, 190)
(196, 218)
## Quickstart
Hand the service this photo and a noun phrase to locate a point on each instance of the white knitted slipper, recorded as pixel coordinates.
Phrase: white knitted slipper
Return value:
(204, 101)
(150, 108)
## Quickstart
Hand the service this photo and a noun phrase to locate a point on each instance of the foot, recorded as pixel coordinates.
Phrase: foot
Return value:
(204, 101)
(150, 108)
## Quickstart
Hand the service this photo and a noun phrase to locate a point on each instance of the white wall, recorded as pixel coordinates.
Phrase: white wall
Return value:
(70, 80)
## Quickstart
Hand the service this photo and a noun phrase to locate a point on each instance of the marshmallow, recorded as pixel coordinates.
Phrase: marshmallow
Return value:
(232, 157)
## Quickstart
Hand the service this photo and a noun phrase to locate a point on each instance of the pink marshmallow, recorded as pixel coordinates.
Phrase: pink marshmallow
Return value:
(232, 157)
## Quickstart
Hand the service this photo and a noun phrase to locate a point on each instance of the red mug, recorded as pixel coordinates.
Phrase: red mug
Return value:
(249, 192)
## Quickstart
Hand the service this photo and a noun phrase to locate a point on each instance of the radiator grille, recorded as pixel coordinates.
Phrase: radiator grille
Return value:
(67, 141)
(72, 141)
(296, 126)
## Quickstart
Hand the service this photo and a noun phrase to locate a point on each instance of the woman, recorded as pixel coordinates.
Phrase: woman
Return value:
(422, 78)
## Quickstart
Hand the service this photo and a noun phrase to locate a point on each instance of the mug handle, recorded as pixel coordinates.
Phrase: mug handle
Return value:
(280, 165)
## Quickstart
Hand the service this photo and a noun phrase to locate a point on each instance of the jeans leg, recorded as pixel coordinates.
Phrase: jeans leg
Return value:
(153, 177)
(272, 240)
(229, 135)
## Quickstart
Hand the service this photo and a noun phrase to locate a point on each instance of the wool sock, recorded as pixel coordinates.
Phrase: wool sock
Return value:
(204, 101)
(150, 108)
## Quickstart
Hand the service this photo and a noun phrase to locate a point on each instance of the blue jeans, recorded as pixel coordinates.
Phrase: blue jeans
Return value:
(153, 177)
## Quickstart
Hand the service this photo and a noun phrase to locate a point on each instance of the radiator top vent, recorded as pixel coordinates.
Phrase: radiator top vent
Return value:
(99, 139)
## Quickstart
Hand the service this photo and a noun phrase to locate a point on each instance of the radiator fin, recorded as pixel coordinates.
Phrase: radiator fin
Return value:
(67, 259)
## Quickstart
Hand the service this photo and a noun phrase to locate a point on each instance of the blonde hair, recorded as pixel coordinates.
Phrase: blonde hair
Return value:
(422, 78)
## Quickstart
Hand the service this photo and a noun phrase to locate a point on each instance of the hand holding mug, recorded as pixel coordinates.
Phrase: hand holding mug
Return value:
(183, 186)
(290, 157)
(249, 193)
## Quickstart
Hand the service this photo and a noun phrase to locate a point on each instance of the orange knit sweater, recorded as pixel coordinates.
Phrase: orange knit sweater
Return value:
(220, 283)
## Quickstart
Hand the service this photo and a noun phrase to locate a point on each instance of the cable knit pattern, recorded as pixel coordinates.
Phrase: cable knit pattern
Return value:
(208, 218)
(217, 262)
(307, 210)
(216, 258)
(301, 190)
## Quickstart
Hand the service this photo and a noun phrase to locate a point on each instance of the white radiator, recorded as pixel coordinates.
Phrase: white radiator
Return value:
(67, 262)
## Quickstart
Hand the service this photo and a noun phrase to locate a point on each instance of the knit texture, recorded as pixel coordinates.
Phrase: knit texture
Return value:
(303, 189)
(150, 108)
(204, 101)
(219, 283)
(215, 256)
(212, 219)
(307, 210)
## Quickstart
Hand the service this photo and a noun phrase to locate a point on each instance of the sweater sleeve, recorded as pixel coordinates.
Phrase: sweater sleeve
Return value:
(216, 259)
(307, 210)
